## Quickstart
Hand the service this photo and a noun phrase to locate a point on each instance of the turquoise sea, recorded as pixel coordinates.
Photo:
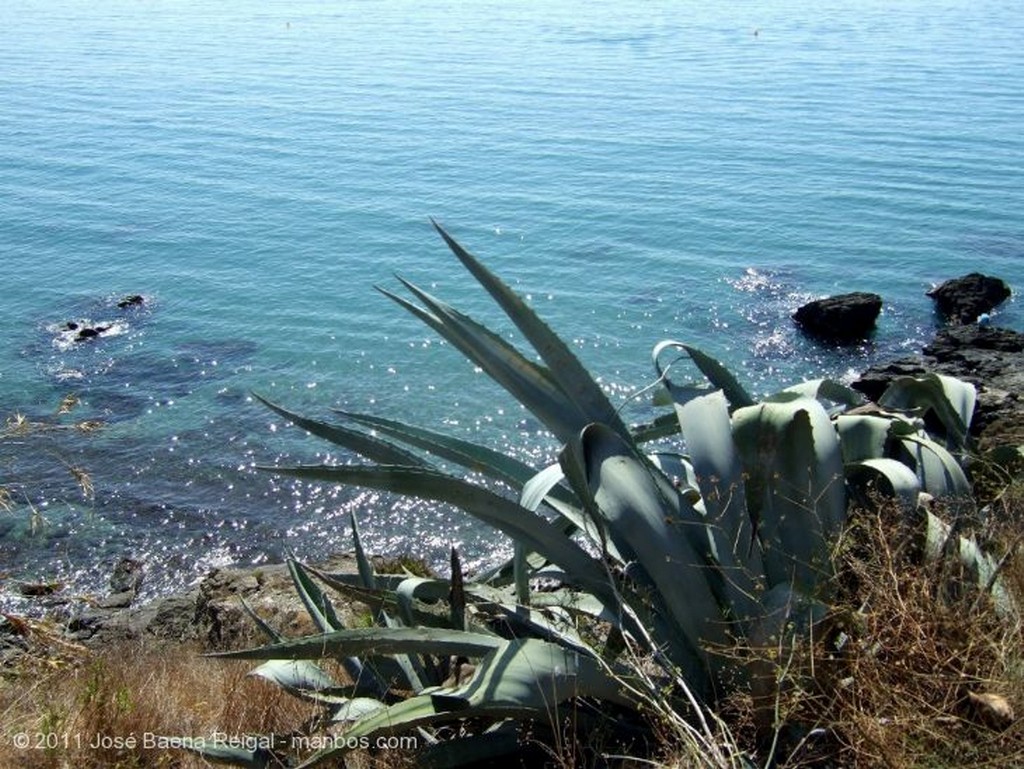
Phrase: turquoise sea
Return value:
(693, 170)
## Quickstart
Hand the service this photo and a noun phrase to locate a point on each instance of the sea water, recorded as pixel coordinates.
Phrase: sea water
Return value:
(687, 170)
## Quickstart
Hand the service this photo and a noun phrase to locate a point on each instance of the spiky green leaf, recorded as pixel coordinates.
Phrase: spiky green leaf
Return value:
(365, 445)
(564, 366)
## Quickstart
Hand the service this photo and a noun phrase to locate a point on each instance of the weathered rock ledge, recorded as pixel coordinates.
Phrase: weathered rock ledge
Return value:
(988, 357)
(211, 615)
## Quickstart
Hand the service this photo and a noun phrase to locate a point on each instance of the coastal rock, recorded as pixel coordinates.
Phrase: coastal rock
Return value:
(211, 614)
(90, 332)
(135, 300)
(840, 318)
(13, 640)
(107, 622)
(127, 576)
(222, 623)
(964, 299)
(990, 358)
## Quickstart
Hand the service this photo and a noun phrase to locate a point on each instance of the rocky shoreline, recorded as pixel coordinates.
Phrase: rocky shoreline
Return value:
(211, 615)
(989, 357)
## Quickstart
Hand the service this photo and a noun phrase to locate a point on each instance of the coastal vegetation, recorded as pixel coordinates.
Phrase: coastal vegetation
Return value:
(804, 579)
(660, 570)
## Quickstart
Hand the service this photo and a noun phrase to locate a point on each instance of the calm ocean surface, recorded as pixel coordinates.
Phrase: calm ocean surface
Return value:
(254, 169)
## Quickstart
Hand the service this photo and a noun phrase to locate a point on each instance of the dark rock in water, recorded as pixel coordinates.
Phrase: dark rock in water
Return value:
(71, 326)
(127, 576)
(964, 299)
(91, 332)
(135, 300)
(841, 318)
(874, 381)
(991, 344)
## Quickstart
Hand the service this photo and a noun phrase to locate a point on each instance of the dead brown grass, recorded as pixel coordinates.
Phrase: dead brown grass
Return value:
(84, 710)
(907, 671)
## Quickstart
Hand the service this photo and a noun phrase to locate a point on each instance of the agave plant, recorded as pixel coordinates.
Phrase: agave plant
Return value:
(640, 566)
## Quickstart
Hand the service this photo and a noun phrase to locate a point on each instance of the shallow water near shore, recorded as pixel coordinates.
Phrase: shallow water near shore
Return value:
(254, 170)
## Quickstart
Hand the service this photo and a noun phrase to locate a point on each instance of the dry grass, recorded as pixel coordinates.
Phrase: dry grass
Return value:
(75, 707)
(906, 671)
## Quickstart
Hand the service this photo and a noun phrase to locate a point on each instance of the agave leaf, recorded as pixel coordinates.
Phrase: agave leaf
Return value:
(531, 530)
(653, 528)
(372, 640)
(828, 390)
(521, 678)
(476, 458)
(367, 679)
(317, 604)
(952, 401)
(678, 469)
(353, 440)
(269, 631)
(707, 432)
(717, 374)
(863, 436)
(355, 708)
(898, 479)
(411, 594)
(787, 612)
(980, 567)
(485, 749)
(663, 426)
(527, 622)
(532, 677)
(365, 566)
(302, 678)
(521, 574)
(530, 384)
(796, 489)
(543, 487)
(457, 595)
(426, 591)
(219, 752)
(564, 366)
(351, 587)
(401, 717)
(407, 669)
(940, 474)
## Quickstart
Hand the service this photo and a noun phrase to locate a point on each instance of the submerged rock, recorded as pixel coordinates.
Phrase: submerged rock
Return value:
(90, 332)
(135, 300)
(966, 299)
(840, 318)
